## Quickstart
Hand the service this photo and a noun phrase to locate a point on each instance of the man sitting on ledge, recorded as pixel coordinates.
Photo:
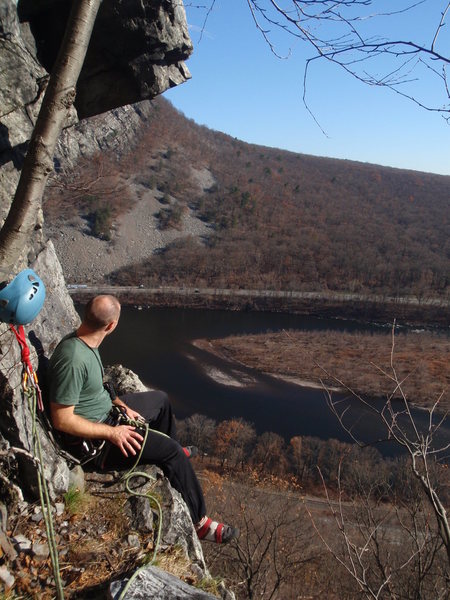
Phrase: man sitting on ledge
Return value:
(81, 407)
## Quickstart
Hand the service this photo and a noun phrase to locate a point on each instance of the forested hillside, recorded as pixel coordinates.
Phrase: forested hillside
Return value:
(277, 220)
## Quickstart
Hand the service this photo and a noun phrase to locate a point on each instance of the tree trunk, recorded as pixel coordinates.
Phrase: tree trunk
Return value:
(38, 164)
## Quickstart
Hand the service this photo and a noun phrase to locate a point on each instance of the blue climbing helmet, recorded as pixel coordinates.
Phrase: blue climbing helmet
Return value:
(22, 298)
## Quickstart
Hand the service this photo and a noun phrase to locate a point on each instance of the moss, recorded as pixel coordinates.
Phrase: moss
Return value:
(211, 585)
(75, 500)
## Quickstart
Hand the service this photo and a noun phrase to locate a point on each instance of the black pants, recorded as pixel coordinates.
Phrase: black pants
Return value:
(162, 450)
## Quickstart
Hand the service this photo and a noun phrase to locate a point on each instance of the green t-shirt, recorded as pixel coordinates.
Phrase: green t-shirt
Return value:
(76, 379)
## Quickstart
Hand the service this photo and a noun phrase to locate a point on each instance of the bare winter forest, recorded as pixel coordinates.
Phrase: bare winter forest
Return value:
(291, 499)
(275, 220)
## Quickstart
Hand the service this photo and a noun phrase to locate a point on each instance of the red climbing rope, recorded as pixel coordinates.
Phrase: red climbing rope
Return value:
(29, 376)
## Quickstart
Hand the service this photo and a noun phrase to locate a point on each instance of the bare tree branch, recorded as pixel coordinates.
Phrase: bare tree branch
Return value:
(336, 30)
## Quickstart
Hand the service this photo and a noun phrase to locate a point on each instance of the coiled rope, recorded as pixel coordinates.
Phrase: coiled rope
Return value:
(126, 478)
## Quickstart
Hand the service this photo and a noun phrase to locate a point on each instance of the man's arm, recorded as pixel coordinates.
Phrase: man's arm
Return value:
(124, 437)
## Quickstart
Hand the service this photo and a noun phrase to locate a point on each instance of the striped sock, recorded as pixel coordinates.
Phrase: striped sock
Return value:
(190, 451)
(210, 530)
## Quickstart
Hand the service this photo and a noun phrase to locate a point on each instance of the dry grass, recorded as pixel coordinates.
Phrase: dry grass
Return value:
(92, 540)
(92, 547)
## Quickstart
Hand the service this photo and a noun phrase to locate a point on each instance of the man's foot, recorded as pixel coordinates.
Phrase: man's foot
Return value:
(190, 451)
(210, 530)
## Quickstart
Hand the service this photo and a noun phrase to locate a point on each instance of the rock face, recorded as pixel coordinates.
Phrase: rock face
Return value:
(177, 528)
(136, 52)
(22, 81)
(56, 318)
(115, 130)
(124, 380)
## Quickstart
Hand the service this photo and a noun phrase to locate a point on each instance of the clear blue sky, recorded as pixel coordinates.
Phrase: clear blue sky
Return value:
(239, 87)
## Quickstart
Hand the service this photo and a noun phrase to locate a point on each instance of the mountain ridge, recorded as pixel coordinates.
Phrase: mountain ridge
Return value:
(271, 218)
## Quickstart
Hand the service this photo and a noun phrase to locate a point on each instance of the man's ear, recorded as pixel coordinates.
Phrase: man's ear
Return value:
(111, 326)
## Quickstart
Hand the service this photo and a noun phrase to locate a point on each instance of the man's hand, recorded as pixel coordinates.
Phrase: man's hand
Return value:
(133, 414)
(126, 438)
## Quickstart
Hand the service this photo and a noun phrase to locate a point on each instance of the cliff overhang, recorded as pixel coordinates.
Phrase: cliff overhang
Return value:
(137, 49)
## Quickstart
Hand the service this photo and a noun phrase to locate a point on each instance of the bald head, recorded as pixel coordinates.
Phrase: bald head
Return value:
(100, 311)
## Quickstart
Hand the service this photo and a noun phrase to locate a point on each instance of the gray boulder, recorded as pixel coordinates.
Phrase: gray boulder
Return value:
(177, 528)
(154, 583)
(124, 380)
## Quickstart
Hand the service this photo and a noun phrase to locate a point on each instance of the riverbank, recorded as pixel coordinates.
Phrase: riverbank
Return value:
(220, 377)
(357, 361)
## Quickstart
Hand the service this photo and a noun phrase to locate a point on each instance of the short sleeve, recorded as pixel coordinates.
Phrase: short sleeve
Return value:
(67, 377)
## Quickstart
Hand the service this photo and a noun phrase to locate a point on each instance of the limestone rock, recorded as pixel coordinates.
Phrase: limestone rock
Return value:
(177, 527)
(58, 315)
(6, 577)
(21, 543)
(140, 512)
(133, 540)
(21, 76)
(7, 547)
(76, 479)
(136, 51)
(154, 583)
(40, 550)
(124, 380)
(57, 318)
(116, 130)
(23, 81)
(3, 516)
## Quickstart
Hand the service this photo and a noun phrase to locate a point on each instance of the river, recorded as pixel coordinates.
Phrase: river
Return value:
(157, 344)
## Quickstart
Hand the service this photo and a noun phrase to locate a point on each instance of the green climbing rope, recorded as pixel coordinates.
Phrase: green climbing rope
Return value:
(44, 495)
(127, 477)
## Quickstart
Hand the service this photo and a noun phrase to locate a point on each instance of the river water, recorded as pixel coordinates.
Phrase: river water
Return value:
(157, 344)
